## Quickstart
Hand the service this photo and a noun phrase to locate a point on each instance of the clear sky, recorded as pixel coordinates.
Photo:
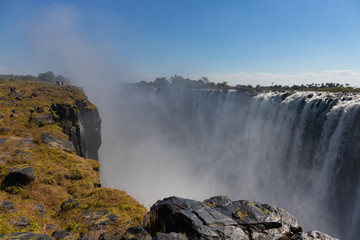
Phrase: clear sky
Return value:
(238, 41)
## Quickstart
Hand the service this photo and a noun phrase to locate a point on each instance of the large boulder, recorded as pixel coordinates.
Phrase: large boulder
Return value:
(20, 176)
(193, 218)
(221, 218)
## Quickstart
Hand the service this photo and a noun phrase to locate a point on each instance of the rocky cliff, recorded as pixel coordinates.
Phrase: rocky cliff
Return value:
(49, 189)
(82, 123)
(49, 182)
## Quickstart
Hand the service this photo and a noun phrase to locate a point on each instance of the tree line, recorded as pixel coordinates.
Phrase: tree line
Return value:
(48, 76)
(179, 82)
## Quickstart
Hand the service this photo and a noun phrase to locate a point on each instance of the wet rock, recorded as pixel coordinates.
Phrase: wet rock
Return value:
(42, 120)
(136, 233)
(20, 176)
(58, 143)
(60, 234)
(25, 236)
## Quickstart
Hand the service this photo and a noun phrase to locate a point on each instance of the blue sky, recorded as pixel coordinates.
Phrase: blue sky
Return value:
(238, 41)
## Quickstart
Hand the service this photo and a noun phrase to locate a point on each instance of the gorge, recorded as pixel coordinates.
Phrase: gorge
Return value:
(296, 150)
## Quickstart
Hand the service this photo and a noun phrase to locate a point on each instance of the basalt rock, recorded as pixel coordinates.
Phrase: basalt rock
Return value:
(19, 176)
(221, 218)
(82, 123)
(58, 143)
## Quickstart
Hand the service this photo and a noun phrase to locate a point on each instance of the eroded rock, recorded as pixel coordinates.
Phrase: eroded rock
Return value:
(221, 218)
(58, 143)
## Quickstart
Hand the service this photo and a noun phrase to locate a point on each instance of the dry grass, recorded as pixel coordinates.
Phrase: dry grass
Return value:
(59, 175)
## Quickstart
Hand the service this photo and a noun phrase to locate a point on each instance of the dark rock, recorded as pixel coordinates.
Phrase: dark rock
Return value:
(34, 95)
(39, 109)
(169, 236)
(18, 98)
(221, 218)
(8, 206)
(91, 122)
(3, 130)
(40, 208)
(86, 237)
(217, 201)
(104, 236)
(58, 143)
(87, 141)
(20, 221)
(50, 227)
(136, 233)
(42, 120)
(19, 176)
(99, 219)
(194, 219)
(70, 204)
(60, 234)
(3, 140)
(25, 236)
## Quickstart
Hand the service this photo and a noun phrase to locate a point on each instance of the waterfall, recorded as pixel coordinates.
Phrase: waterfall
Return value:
(296, 150)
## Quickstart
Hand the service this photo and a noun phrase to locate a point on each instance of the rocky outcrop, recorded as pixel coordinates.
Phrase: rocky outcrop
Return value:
(19, 176)
(91, 125)
(221, 218)
(82, 123)
(58, 143)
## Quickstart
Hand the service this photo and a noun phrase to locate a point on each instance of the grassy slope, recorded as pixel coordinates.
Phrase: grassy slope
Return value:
(60, 175)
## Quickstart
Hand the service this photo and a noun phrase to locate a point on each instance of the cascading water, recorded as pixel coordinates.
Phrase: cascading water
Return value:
(296, 150)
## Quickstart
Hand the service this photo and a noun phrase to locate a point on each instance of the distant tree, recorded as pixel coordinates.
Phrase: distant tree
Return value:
(47, 77)
(161, 82)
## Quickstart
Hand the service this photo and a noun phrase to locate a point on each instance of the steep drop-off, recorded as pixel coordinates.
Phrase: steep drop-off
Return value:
(296, 150)
(48, 186)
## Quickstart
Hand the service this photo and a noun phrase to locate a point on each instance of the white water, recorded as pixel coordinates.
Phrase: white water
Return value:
(298, 152)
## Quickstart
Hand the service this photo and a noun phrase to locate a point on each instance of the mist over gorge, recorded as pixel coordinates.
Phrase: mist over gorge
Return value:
(296, 150)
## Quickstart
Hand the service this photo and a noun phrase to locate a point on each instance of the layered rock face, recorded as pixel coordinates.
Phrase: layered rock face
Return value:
(82, 123)
(221, 218)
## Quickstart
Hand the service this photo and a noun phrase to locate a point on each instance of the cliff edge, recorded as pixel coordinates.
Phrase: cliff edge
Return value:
(49, 176)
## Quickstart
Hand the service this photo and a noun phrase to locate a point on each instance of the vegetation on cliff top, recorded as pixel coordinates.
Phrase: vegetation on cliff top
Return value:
(179, 82)
(60, 175)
